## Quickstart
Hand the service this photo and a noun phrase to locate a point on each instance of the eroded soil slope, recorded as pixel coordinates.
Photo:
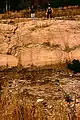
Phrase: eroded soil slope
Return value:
(39, 95)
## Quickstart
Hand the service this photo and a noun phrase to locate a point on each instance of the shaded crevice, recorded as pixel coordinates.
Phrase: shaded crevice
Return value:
(74, 66)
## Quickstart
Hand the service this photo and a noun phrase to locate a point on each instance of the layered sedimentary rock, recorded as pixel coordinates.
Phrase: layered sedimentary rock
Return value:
(38, 42)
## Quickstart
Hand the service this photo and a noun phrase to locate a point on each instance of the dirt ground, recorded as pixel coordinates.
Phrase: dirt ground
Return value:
(40, 94)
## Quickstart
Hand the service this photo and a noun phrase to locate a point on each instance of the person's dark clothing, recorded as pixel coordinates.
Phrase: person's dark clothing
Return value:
(32, 10)
(49, 12)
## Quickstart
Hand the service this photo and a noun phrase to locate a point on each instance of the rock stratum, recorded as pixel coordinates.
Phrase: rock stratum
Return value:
(38, 42)
(39, 94)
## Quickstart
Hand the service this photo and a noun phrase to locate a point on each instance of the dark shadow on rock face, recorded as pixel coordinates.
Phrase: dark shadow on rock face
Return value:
(74, 66)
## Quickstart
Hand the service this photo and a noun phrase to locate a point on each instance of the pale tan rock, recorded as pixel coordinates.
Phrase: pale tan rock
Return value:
(75, 54)
(12, 61)
(2, 37)
(3, 60)
(40, 42)
(3, 48)
(8, 60)
(40, 56)
(26, 57)
(6, 27)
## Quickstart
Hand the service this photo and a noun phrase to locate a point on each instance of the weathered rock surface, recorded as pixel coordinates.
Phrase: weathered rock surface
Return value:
(39, 42)
(39, 94)
(8, 60)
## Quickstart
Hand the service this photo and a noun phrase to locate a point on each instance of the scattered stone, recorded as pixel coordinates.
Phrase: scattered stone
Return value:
(40, 100)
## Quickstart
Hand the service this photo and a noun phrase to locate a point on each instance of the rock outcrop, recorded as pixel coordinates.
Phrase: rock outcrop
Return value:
(38, 42)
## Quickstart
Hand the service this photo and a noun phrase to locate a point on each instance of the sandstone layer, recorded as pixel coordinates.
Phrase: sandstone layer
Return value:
(38, 42)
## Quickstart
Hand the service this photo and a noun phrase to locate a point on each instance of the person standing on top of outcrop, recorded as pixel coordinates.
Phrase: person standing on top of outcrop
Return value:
(49, 11)
(32, 12)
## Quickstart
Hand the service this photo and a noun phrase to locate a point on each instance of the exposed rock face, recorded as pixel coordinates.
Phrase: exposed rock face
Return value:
(39, 42)
(40, 94)
(40, 56)
(8, 60)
